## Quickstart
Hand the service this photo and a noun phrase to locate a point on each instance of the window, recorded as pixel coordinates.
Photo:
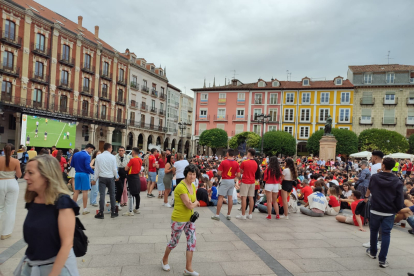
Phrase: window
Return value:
(345, 97)
(271, 128)
(367, 78)
(134, 80)
(275, 84)
(104, 89)
(324, 98)
(132, 116)
(63, 103)
(119, 115)
(64, 77)
(220, 126)
(145, 83)
(203, 113)
(321, 127)
(290, 98)
(204, 97)
(257, 129)
(239, 129)
(152, 68)
(8, 60)
(366, 115)
(389, 97)
(162, 90)
(6, 90)
(161, 106)
(240, 113)
(12, 122)
(273, 115)
(120, 95)
(37, 96)
(289, 129)
(86, 84)
(106, 68)
(304, 132)
(305, 98)
(10, 30)
(305, 82)
(389, 116)
(305, 115)
(256, 111)
(153, 104)
(338, 81)
(65, 52)
(85, 107)
(262, 84)
(39, 69)
(289, 114)
(240, 96)
(87, 62)
(221, 113)
(257, 98)
(201, 128)
(344, 115)
(121, 75)
(40, 42)
(344, 128)
(273, 98)
(390, 78)
(103, 110)
(367, 98)
(411, 97)
(410, 117)
(323, 114)
(222, 95)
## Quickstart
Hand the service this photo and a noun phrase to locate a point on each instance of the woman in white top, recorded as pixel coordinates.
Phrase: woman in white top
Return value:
(179, 166)
(290, 174)
(9, 190)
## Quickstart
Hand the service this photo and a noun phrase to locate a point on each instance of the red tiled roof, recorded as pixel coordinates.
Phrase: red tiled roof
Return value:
(380, 68)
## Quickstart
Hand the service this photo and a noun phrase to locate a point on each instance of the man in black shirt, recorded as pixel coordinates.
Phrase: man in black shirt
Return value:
(202, 195)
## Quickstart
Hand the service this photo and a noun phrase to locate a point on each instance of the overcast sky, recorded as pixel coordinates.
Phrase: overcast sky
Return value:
(259, 39)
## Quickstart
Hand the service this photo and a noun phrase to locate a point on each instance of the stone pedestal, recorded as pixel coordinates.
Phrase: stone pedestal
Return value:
(327, 148)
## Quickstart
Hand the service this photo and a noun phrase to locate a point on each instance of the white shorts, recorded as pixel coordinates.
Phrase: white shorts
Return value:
(274, 188)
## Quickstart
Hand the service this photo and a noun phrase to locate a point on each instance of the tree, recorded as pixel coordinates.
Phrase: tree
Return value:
(214, 138)
(411, 143)
(387, 141)
(279, 142)
(347, 141)
(252, 140)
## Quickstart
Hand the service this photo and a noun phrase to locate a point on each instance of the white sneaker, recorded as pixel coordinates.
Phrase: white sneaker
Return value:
(119, 208)
(136, 211)
(228, 217)
(128, 214)
(241, 217)
(167, 205)
(284, 217)
(165, 267)
(249, 216)
(188, 273)
(368, 245)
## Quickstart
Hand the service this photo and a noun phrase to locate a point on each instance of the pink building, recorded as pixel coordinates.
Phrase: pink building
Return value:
(233, 107)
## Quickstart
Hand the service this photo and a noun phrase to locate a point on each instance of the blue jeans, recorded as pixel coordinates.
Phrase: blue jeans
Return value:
(410, 221)
(94, 193)
(386, 224)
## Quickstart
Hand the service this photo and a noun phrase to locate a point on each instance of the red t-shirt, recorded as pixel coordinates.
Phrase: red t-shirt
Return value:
(134, 165)
(54, 153)
(333, 201)
(62, 163)
(410, 166)
(229, 168)
(151, 162)
(161, 163)
(353, 207)
(312, 182)
(249, 168)
(210, 174)
(271, 179)
(306, 191)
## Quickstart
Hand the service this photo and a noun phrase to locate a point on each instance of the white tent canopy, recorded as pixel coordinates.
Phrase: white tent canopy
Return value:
(362, 154)
(400, 155)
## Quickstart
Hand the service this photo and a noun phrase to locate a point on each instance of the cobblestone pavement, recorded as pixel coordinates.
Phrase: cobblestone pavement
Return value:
(299, 246)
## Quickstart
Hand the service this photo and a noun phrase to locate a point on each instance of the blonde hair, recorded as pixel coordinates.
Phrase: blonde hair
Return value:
(49, 168)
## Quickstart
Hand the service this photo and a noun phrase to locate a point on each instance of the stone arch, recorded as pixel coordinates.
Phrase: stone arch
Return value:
(158, 141)
(166, 143)
(180, 146)
(150, 140)
(173, 145)
(141, 140)
(130, 144)
(187, 148)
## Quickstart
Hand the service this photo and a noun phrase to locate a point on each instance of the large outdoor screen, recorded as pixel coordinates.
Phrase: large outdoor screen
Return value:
(46, 132)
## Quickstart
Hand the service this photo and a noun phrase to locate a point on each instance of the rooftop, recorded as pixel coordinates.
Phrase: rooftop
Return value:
(374, 68)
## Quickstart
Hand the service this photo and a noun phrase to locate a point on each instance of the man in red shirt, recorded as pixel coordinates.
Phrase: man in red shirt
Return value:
(152, 171)
(210, 173)
(134, 184)
(409, 166)
(306, 191)
(54, 151)
(248, 170)
(228, 170)
(355, 219)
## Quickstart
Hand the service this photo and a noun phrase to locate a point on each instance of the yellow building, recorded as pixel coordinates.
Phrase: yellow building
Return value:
(307, 104)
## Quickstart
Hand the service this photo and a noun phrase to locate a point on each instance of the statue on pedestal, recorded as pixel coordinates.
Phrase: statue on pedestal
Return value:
(328, 126)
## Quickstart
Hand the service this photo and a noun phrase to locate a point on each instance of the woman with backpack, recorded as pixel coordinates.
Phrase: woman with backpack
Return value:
(49, 227)
(289, 180)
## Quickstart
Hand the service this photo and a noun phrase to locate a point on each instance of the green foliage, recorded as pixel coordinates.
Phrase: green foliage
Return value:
(384, 140)
(347, 141)
(279, 142)
(411, 143)
(214, 138)
(252, 140)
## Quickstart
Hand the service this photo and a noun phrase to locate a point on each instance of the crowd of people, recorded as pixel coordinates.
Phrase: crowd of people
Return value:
(378, 192)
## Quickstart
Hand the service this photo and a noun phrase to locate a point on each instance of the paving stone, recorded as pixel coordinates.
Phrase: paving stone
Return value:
(146, 270)
(290, 266)
(358, 263)
(220, 237)
(240, 245)
(99, 249)
(114, 260)
(341, 243)
(126, 231)
(245, 268)
(311, 243)
(146, 239)
(308, 236)
(283, 254)
(269, 245)
(214, 256)
(132, 248)
(242, 255)
(109, 240)
(276, 236)
(216, 246)
(376, 272)
(100, 271)
(396, 271)
(338, 235)
(314, 253)
(155, 258)
(205, 269)
(405, 261)
(319, 265)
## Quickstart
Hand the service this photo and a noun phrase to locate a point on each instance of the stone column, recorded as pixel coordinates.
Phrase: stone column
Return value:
(135, 140)
(17, 133)
(145, 144)
(92, 134)
(182, 146)
(109, 132)
(124, 141)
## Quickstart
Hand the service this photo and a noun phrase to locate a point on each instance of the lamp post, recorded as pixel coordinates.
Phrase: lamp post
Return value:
(262, 119)
(182, 126)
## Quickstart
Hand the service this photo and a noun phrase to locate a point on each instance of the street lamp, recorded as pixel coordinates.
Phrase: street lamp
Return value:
(262, 119)
(182, 126)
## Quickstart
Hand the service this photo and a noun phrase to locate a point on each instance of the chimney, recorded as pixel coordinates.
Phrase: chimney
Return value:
(97, 32)
(80, 18)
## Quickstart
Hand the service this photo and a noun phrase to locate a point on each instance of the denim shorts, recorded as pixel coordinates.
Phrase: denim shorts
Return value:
(152, 176)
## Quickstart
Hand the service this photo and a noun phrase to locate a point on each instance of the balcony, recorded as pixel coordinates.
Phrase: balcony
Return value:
(143, 125)
(177, 105)
(103, 95)
(222, 101)
(257, 101)
(163, 96)
(409, 121)
(410, 101)
(121, 82)
(38, 105)
(174, 118)
(367, 101)
(65, 85)
(85, 113)
(39, 78)
(41, 50)
(390, 121)
(240, 118)
(88, 68)
(145, 89)
(203, 101)
(201, 118)
(366, 121)
(11, 39)
(144, 106)
(63, 109)
(190, 109)
(221, 118)
(133, 105)
(12, 71)
(87, 91)
(134, 86)
(120, 101)
(154, 93)
(390, 102)
(241, 101)
(103, 116)
(306, 119)
(106, 75)
(188, 135)
(344, 120)
(66, 60)
(153, 109)
(162, 112)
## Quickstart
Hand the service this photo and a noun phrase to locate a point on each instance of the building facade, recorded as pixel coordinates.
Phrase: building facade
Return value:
(297, 107)
(384, 97)
(55, 68)
(173, 106)
(185, 126)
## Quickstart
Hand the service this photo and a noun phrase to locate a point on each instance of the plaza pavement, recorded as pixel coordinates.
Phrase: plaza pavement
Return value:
(299, 246)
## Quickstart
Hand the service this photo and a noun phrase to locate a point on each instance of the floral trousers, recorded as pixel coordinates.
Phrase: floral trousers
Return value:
(176, 230)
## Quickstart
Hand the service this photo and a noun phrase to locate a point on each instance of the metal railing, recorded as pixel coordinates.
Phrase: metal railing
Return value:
(120, 101)
(39, 78)
(221, 117)
(202, 118)
(239, 118)
(135, 85)
(105, 75)
(87, 90)
(143, 125)
(145, 89)
(390, 102)
(389, 121)
(133, 104)
(65, 85)
(88, 68)
(11, 39)
(345, 119)
(103, 94)
(162, 112)
(41, 49)
(154, 93)
(121, 82)
(10, 70)
(366, 122)
(65, 59)
(144, 106)
(367, 101)
(163, 96)
(153, 109)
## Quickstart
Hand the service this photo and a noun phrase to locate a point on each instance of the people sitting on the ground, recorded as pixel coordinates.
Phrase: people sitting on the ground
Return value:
(316, 205)
(407, 213)
(356, 219)
(214, 194)
(305, 192)
(410, 188)
(363, 178)
(262, 205)
(202, 195)
(321, 183)
(333, 203)
(404, 215)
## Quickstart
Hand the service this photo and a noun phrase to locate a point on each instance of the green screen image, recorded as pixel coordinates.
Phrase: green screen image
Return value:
(47, 132)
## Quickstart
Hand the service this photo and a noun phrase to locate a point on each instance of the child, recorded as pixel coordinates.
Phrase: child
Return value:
(355, 219)
(214, 194)
(333, 203)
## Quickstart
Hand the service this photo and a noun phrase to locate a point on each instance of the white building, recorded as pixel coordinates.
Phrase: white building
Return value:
(184, 124)
(173, 105)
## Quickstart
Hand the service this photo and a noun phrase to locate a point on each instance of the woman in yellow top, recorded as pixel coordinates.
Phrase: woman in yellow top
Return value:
(185, 201)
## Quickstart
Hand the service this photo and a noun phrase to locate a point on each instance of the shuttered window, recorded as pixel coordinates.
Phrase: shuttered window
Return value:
(411, 96)
(239, 128)
(367, 98)
(411, 112)
(366, 112)
(389, 116)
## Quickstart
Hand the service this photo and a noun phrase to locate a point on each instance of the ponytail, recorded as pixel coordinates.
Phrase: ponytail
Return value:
(7, 152)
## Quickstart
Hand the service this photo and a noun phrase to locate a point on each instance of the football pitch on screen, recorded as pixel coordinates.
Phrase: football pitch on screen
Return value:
(56, 133)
